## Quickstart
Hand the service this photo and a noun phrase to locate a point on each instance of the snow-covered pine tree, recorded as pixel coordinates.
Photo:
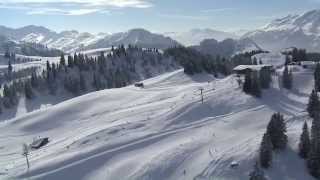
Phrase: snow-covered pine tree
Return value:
(276, 129)
(317, 78)
(304, 144)
(314, 104)
(257, 173)
(313, 161)
(265, 153)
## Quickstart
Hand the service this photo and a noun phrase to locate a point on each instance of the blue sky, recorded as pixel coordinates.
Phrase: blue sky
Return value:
(155, 15)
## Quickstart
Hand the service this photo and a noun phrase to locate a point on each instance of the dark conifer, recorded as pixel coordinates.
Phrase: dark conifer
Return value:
(317, 78)
(314, 104)
(276, 129)
(255, 87)
(247, 83)
(287, 78)
(265, 151)
(313, 161)
(304, 145)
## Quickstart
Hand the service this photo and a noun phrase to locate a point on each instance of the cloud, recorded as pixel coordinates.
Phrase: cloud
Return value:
(71, 7)
(62, 12)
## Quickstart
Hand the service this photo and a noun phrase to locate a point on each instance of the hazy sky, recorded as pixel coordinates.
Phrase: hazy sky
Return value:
(155, 15)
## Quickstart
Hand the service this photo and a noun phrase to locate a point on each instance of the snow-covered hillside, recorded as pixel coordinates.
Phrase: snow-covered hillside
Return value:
(301, 31)
(160, 132)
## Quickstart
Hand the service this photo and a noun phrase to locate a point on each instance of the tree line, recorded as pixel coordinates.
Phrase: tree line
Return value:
(79, 74)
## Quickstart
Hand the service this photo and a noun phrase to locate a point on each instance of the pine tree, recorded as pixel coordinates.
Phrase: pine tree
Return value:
(10, 68)
(255, 61)
(287, 78)
(265, 78)
(265, 151)
(48, 67)
(247, 83)
(317, 78)
(1, 103)
(255, 87)
(304, 145)
(7, 54)
(28, 90)
(276, 129)
(314, 104)
(288, 60)
(257, 173)
(70, 61)
(313, 161)
(34, 80)
(62, 60)
(83, 85)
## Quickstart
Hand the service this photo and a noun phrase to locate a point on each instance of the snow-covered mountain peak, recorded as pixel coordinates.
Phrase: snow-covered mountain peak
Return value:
(301, 31)
(33, 38)
(308, 22)
(281, 23)
(71, 41)
(34, 29)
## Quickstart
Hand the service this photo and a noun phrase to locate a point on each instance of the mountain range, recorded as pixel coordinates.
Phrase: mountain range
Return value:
(302, 31)
(71, 41)
(195, 36)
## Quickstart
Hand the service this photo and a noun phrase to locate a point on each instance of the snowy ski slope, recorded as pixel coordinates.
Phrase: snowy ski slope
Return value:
(160, 132)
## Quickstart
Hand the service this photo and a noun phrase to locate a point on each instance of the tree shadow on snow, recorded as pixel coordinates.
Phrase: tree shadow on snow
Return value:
(288, 165)
(280, 102)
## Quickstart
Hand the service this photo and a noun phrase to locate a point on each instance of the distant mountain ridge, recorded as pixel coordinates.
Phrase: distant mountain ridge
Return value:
(301, 31)
(72, 41)
(227, 47)
(195, 36)
(140, 37)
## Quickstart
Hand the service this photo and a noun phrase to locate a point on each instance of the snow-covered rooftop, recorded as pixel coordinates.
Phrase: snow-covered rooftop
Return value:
(252, 67)
(307, 63)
